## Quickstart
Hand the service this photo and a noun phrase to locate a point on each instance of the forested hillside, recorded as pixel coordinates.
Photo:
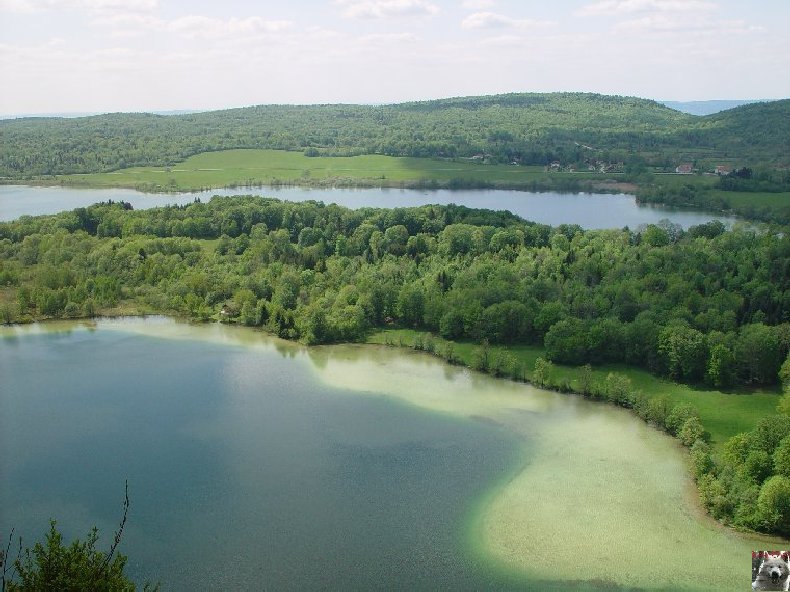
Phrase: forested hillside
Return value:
(761, 130)
(522, 128)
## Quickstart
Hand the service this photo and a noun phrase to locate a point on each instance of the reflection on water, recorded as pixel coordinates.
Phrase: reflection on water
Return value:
(585, 209)
(255, 463)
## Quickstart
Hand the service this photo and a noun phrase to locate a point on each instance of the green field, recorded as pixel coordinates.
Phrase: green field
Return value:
(722, 414)
(739, 199)
(675, 180)
(212, 170)
(253, 167)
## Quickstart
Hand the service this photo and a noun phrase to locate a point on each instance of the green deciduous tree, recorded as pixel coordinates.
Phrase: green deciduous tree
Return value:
(411, 303)
(541, 372)
(769, 432)
(701, 461)
(691, 431)
(677, 417)
(758, 351)
(505, 322)
(684, 351)
(586, 379)
(618, 389)
(774, 504)
(721, 370)
(566, 341)
(782, 458)
(784, 374)
(757, 466)
(481, 357)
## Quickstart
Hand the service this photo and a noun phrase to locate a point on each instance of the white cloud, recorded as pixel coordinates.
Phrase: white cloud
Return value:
(110, 5)
(666, 17)
(492, 20)
(478, 4)
(387, 38)
(112, 52)
(379, 9)
(21, 6)
(193, 26)
(128, 21)
(621, 7)
(190, 26)
(96, 6)
(662, 23)
(504, 41)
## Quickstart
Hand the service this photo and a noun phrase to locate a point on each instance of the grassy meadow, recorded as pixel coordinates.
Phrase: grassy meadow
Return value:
(260, 167)
(756, 199)
(723, 414)
(211, 170)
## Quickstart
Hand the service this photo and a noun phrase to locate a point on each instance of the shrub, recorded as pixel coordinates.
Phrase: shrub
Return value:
(774, 504)
(691, 431)
(677, 417)
(701, 461)
(79, 566)
(782, 458)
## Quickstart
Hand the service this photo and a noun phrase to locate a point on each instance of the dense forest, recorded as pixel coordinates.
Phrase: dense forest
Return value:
(707, 305)
(534, 129)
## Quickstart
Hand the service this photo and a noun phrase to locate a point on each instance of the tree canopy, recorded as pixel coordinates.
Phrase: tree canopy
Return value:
(695, 306)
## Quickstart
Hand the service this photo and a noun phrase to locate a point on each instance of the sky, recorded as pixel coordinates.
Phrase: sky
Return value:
(59, 56)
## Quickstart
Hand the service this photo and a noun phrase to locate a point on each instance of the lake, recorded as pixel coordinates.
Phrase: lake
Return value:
(254, 462)
(589, 210)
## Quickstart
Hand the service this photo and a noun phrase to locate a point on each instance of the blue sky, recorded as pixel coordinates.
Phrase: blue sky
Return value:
(135, 55)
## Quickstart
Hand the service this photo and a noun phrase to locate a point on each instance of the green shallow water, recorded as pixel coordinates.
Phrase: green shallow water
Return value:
(255, 463)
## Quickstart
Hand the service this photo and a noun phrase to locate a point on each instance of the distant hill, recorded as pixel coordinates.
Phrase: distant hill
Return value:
(74, 114)
(706, 107)
(69, 114)
(525, 128)
(761, 130)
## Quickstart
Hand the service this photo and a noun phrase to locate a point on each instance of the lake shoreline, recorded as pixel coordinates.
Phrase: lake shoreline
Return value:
(510, 526)
(590, 211)
(491, 531)
(690, 491)
(606, 187)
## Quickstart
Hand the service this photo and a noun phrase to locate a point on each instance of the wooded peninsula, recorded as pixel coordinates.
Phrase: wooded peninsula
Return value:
(706, 306)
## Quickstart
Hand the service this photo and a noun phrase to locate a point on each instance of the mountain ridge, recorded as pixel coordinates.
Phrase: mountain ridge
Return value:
(527, 128)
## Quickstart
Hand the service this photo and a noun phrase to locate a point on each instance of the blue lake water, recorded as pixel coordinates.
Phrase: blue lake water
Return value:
(257, 464)
(585, 209)
(244, 471)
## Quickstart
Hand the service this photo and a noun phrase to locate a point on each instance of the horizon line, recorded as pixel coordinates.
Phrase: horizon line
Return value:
(186, 111)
